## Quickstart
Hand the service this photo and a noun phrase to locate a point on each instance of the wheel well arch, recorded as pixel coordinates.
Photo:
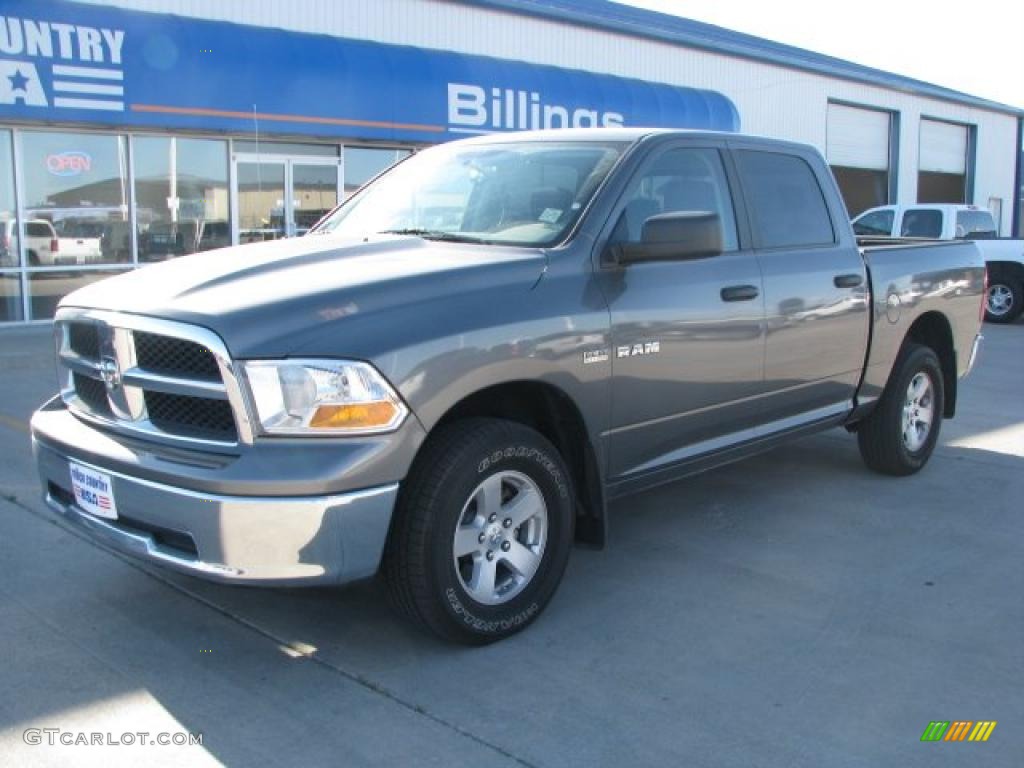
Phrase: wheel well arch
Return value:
(932, 330)
(1005, 270)
(551, 412)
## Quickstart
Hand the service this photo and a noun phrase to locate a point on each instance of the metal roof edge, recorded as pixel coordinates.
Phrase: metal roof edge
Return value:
(639, 22)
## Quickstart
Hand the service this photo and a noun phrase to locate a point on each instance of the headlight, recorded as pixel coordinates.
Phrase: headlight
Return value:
(313, 397)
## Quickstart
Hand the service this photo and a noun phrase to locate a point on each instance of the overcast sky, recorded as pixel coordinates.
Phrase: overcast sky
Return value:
(977, 48)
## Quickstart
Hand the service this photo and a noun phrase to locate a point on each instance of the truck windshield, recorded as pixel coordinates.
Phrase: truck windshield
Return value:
(506, 194)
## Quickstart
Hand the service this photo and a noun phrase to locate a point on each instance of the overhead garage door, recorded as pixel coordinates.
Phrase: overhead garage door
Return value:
(857, 148)
(942, 164)
(858, 138)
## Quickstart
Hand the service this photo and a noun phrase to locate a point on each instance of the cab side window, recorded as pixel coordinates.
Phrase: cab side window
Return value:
(788, 208)
(923, 222)
(679, 180)
(878, 223)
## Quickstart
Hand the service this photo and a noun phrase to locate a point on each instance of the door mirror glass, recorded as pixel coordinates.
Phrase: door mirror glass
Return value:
(675, 236)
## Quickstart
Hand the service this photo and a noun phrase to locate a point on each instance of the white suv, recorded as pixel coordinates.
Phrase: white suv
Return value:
(41, 243)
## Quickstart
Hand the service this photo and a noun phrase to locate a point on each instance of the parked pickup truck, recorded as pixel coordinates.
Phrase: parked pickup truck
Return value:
(80, 241)
(456, 370)
(1004, 257)
(42, 248)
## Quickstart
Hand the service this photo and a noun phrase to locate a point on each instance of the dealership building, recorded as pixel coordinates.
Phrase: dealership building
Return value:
(132, 131)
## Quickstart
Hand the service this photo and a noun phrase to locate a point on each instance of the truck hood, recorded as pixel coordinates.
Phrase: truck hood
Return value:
(276, 298)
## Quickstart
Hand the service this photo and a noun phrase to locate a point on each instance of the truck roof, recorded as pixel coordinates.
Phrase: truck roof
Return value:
(625, 134)
(930, 206)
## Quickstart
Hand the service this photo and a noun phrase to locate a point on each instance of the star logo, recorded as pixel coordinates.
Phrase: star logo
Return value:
(19, 82)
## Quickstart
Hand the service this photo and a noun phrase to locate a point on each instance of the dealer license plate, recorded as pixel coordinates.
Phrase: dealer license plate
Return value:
(93, 491)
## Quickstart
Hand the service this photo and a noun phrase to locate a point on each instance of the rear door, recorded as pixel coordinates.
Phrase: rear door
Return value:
(687, 335)
(815, 284)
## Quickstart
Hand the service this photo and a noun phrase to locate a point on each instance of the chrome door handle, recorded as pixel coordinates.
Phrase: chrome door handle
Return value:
(740, 293)
(848, 281)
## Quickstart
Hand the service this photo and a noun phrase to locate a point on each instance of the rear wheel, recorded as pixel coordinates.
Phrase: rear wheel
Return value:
(482, 531)
(1004, 301)
(900, 434)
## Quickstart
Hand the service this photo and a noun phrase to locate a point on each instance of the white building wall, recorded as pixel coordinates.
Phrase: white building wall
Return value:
(772, 100)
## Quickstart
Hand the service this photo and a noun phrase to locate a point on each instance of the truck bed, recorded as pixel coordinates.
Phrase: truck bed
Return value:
(911, 278)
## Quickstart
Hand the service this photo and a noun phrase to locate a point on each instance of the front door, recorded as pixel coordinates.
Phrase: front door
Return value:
(688, 340)
(282, 196)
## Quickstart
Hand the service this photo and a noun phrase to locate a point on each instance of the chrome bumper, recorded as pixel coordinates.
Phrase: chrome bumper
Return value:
(237, 539)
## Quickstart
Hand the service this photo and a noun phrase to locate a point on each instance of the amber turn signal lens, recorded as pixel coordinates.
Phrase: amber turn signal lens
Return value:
(354, 416)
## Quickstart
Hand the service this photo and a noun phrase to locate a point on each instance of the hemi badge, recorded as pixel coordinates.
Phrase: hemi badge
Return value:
(595, 356)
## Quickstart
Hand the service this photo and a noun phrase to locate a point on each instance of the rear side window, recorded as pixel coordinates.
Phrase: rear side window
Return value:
(788, 208)
(975, 225)
(35, 229)
(877, 223)
(924, 222)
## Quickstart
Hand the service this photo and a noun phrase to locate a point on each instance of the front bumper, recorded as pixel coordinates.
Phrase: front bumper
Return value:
(237, 534)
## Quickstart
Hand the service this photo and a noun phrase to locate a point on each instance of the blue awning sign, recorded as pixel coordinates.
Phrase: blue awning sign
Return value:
(67, 62)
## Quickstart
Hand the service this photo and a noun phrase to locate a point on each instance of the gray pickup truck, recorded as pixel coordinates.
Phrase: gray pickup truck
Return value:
(454, 372)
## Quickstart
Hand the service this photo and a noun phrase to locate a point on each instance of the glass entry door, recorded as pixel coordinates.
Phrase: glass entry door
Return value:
(281, 196)
(314, 193)
(261, 197)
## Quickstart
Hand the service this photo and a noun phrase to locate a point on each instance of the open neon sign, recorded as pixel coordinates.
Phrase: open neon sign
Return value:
(70, 163)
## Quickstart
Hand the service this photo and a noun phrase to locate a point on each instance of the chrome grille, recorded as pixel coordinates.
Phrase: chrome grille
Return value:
(200, 416)
(93, 393)
(84, 339)
(170, 381)
(175, 357)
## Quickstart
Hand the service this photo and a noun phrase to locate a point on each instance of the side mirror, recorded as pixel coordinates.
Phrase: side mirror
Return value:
(674, 236)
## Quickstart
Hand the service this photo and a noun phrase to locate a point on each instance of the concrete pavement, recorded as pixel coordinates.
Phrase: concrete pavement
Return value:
(791, 610)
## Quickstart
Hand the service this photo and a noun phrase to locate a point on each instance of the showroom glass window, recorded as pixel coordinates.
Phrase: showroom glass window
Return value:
(181, 197)
(363, 163)
(10, 280)
(77, 183)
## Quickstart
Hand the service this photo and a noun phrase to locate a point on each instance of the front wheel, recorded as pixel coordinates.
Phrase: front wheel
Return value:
(1004, 301)
(900, 434)
(482, 531)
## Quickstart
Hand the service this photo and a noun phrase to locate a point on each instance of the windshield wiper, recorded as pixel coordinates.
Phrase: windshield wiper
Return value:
(434, 234)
